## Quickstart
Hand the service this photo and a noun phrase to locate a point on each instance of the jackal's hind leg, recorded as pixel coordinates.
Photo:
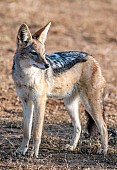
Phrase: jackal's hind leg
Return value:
(27, 125)
(93, 104)
(72, 106)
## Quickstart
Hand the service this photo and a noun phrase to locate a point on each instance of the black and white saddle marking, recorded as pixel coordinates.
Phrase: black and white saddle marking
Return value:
(62, 61)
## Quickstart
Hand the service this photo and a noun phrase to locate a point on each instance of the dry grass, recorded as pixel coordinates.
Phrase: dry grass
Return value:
(87, 25)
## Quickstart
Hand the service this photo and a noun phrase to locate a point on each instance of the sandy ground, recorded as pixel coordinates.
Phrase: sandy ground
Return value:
(87, 25)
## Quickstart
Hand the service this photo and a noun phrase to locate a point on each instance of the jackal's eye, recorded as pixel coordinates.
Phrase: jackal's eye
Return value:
(34, 53)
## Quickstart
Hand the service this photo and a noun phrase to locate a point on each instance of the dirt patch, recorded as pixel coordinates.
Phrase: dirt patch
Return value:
(88, 26)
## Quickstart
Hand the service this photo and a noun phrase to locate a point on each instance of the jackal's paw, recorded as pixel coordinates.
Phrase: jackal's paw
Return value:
(101, 151)
(21, 150)
(34, 154)
(70, 147)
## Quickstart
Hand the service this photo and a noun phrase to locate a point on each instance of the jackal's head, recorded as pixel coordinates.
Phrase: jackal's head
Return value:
(31, 48)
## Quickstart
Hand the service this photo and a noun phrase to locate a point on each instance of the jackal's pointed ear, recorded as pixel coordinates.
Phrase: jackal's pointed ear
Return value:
(24, 36)
(41, 35)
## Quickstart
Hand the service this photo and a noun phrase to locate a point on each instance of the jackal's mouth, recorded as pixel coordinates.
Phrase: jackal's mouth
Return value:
(35, 65)
(43, 67)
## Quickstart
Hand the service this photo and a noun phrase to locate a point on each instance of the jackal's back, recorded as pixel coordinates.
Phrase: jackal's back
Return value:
(62, 61)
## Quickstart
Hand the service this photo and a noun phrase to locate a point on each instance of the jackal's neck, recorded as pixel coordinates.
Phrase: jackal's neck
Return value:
(28, 76)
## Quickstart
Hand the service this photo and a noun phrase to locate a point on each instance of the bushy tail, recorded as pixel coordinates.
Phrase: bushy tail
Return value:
(91, 126)
(103, 106)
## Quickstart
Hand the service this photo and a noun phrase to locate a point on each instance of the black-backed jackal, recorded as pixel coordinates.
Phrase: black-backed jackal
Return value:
(72, 76)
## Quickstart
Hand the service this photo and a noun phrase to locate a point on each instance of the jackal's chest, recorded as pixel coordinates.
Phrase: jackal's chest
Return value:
(27, 83)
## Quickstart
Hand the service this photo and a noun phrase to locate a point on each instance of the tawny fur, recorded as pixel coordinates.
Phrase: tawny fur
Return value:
(82, 82)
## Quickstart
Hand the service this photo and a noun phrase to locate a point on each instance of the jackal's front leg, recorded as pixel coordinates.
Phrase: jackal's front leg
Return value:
(72, 106)
(27, 125)
(39, 110)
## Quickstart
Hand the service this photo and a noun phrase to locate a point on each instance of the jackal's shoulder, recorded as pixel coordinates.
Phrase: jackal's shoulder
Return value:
(62, 61)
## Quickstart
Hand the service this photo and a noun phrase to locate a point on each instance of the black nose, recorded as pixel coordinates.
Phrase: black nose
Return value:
(47, 65)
